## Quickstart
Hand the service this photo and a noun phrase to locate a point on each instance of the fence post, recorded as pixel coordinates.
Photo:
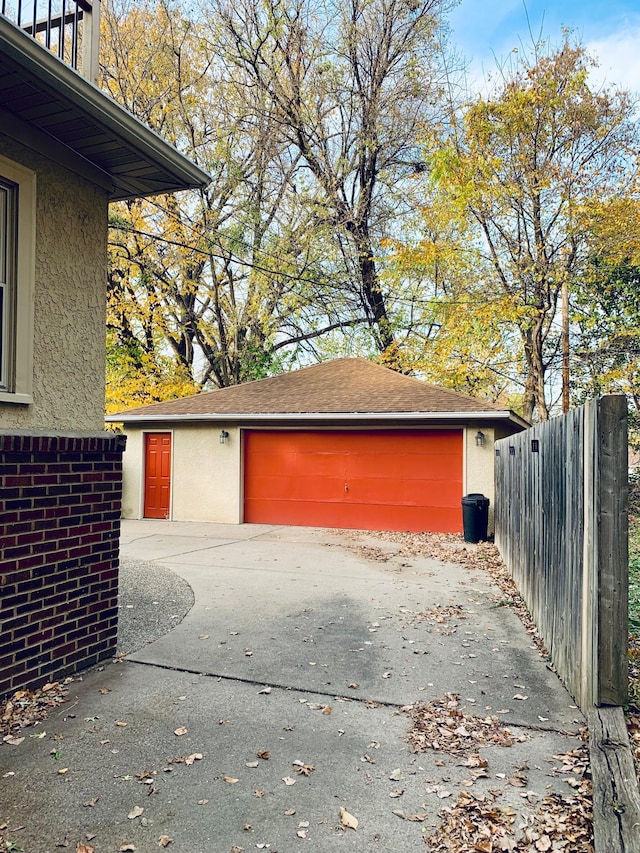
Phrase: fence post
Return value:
(612, 551)
(590, 625)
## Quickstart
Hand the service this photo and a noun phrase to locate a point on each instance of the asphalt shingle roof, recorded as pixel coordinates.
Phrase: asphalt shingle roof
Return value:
(345, 385)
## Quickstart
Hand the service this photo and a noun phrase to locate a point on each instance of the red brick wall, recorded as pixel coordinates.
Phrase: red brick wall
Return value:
(60, 501)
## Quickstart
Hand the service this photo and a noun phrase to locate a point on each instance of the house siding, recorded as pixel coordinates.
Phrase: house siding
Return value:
(60, 504)
(69, 300)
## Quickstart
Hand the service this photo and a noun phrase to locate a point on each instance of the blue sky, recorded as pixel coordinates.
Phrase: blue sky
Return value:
(609, 28)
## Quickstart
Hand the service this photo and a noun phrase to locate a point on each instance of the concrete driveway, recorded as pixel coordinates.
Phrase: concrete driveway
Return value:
(288, 675)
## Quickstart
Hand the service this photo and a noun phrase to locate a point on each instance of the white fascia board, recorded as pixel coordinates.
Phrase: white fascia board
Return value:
(330, 417)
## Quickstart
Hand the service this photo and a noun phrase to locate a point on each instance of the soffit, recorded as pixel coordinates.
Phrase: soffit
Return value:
(40, 93)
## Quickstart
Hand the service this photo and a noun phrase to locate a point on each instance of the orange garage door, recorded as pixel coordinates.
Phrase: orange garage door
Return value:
(385, 480)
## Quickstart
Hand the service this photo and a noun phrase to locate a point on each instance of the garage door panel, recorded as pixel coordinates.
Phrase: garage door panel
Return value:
(309, 513)
(374, 490)
(324, 489)
(378, 466)
(321, 464)
(395, 479)
(431, 466)
(430, 493)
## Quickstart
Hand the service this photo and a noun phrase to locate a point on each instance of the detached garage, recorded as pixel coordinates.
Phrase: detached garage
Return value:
(346, 443)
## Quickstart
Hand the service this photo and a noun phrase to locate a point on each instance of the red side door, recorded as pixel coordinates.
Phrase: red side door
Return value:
(157, 478)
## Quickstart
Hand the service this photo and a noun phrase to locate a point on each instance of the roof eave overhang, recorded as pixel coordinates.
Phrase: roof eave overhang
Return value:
(73, 88)
(243, 418)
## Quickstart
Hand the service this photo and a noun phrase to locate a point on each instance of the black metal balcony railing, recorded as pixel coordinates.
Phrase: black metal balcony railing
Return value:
(69, 28)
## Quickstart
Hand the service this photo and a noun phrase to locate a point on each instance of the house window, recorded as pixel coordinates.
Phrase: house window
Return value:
(17, 267)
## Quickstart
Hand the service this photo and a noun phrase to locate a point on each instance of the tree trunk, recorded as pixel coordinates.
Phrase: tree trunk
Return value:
(372, 296)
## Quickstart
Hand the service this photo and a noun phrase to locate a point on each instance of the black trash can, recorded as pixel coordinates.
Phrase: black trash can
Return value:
(475, 517)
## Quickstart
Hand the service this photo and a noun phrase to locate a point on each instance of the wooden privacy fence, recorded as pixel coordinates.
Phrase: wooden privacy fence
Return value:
(561, 528)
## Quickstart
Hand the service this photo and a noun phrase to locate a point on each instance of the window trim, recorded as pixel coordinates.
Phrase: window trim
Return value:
(21, 338)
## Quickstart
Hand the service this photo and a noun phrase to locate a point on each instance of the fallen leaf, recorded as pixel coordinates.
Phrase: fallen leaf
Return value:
(326, 710)
(258, 793)
(397, 793)
(347, 820)
(85, 848)
(105, 690)
(386, 675)
(290, 812)
(180, 731)
(443, 794)
(305, 769)
(202, 802)
(201, 637)
(264, 754)
(417, 818)
(301, 833)
(126, 848)
(520, 696)
(121, 724)
(63, 771)
(251, 763)
(164, 841)
(12, 741)
(354, 685)
(303, 824)
(247, 827)
(474, 760)
(236, 849)
(248, 653)
(91, 803)
(195, 756)
(39, 736)
(288, 780)
(135, 812)
(264, 691)
(230, 780)
(396, 776)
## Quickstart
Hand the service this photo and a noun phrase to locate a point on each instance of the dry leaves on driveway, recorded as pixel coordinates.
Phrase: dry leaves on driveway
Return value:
(483, 556)
(27, 707)
(560, 824)
(440, 725)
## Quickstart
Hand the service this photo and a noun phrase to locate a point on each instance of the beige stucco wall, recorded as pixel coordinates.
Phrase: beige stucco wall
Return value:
(479, 465)
(208, 487)
(69, 300)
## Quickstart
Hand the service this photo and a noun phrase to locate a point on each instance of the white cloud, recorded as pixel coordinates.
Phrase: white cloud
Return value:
(618, 55)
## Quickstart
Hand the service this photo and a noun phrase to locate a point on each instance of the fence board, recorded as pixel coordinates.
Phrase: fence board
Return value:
(561, 528)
